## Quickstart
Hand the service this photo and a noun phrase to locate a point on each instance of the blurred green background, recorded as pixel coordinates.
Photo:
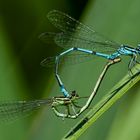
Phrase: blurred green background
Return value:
(22, 77)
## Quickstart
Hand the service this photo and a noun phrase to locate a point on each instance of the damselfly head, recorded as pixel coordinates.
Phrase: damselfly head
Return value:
(74, 94)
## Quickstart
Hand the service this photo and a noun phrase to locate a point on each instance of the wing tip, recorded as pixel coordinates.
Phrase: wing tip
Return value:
(52, 13)
(47, 62)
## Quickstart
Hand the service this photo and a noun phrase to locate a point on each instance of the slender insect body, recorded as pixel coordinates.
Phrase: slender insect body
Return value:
(77, 37)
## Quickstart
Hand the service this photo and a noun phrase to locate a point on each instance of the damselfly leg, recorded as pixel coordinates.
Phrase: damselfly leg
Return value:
(70, 101)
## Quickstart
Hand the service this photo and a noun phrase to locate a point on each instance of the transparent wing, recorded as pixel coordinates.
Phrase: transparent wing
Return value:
(10, 111)
(48, 37)
(69, 59)
(76, 29)
(68, 40)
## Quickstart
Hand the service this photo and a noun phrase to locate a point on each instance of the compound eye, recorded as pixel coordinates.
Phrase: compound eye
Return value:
(73, 93)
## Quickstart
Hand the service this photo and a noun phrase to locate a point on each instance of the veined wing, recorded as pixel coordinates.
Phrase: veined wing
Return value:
(69, 59)
(74, 28)
(68, 40)
(48, 37)
(10, 111)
